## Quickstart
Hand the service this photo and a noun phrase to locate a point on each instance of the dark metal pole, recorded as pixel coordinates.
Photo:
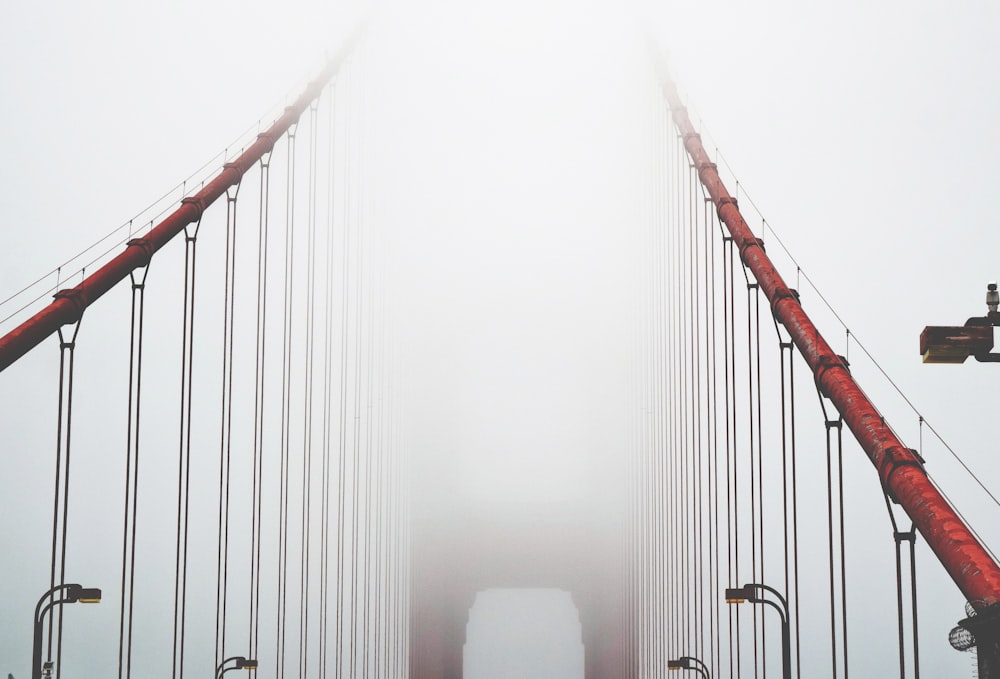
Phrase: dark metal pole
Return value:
(786, 654)
(219, 671)
(40, 611)
(36, 649)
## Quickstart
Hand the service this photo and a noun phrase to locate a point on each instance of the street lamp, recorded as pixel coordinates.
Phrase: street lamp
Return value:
(752, 593)
(955, 343)
(686, 662)
(72, 594)
(241, 663)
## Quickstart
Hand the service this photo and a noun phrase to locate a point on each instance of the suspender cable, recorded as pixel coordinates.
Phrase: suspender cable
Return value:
(652, 609)
(260, 364)
(328, 368)
(383, 497)
(835, 517)
(184, 453)
(795, 518)
(711, 588)
(225, 435)
(732, 445)
(380, 496)
(685, 416)
(307, 401)
(358, 320)
(715, 630)
(286, 377)
(788, 476)
(367, 303)
(909, 537)
(698, 563)
(344, 385)
(664, 599)
(673, 448)
(138, 278)
(843, 548)
(60, 505)
(756, 468)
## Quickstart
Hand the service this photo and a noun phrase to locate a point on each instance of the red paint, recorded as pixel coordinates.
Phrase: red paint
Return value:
(901, 471)
(69, 305)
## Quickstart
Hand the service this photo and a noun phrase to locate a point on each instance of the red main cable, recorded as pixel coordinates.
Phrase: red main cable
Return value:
(70, 304)
(900, 470)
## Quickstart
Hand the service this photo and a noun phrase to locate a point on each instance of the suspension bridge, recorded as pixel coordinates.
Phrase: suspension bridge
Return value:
(298, 416)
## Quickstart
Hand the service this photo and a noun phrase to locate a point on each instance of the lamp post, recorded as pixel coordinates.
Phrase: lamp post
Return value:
(686, 662)
(73, 593)
(751, 593)
(241, 663)
(955, 343)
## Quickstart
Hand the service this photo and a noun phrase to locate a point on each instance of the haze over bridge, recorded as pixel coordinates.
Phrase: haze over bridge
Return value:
(571, 340)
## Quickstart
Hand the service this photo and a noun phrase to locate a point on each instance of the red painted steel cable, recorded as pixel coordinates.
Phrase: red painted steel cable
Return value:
(70, 304)
(901, 472)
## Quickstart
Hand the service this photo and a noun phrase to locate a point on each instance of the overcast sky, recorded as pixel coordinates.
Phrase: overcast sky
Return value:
(865, 132)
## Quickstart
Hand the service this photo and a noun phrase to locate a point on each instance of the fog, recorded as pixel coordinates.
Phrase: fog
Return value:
(508, 154)
(517, 176)
(515, 187)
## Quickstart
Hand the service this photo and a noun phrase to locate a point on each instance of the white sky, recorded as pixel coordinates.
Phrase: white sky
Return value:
(865, 132)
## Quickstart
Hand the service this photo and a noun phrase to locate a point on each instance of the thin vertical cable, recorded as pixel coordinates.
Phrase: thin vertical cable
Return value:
(344, 384)
(843, 546)
(260, 364)
(138, 280)
(184, 454)
(286, 377)
(795, 608)
(328, 367)
(357, 378)
(225, 428)
(60, 510)
(307, 399)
